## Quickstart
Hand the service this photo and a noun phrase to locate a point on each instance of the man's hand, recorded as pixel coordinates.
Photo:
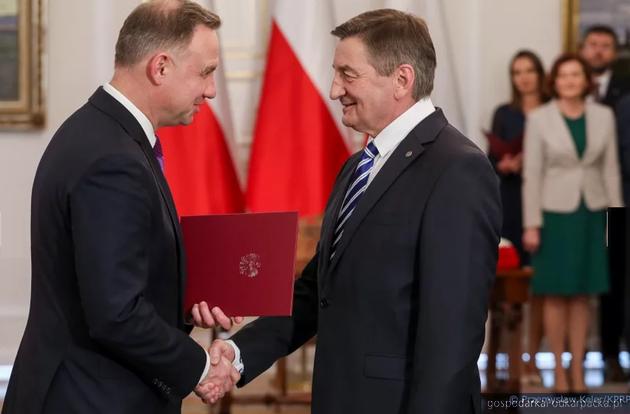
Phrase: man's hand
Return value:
(220, 380)
(203, 317)
(220, 349)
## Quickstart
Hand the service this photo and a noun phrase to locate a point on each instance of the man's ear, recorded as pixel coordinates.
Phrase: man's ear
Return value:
(404, 79)
(158, 67)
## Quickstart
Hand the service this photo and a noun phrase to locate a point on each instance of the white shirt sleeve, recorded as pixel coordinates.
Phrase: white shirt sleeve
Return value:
(206, 369)
(238, 360)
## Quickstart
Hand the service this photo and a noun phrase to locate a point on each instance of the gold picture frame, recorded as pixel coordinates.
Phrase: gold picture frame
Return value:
(579, 15)
(571, 25)
(21, 64)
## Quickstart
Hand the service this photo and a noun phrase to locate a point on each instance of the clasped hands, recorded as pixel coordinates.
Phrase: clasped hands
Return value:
(510, 164)
(222, 376)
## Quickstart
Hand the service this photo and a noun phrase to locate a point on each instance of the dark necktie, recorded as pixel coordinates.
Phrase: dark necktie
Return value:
(157, 150)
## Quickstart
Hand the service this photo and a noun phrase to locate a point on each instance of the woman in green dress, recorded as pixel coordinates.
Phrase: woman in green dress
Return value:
(570, 177)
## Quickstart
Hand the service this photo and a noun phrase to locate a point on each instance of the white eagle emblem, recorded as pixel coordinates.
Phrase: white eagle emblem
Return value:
(250, 265)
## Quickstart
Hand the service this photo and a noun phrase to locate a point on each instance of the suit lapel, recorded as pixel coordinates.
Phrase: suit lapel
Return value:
(105, 102)
(407, 152)
(593, 135)
(328, 228)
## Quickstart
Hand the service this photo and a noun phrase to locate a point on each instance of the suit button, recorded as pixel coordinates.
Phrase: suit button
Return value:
(323, 303)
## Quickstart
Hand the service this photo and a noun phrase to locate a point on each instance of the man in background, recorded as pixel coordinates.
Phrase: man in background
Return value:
(106, 331)
(599, 49)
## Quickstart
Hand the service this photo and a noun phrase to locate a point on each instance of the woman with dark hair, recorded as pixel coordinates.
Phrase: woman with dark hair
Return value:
(571, 175)
(527, 78)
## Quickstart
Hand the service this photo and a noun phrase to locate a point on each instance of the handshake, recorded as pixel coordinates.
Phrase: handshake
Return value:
(222, 376)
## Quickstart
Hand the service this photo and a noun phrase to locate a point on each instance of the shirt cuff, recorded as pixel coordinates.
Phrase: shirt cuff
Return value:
(238, 360)
(206, 369)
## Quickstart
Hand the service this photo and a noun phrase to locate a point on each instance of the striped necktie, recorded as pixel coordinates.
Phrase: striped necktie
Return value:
(357, 187)
(157, 150)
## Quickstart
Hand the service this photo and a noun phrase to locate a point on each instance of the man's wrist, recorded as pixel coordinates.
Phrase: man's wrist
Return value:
(206, 369)
(238, 360)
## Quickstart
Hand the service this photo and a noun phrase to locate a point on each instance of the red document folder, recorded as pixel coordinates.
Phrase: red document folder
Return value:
(243, 263)
(498, 147)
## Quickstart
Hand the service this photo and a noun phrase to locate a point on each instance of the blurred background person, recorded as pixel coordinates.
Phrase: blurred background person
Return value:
(599, 49)
(623, 134)
(571, 175)
(527, 78)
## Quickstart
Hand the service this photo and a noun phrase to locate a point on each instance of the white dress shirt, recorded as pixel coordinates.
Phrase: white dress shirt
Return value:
(147, 127)
(603, 81)
(393, 134)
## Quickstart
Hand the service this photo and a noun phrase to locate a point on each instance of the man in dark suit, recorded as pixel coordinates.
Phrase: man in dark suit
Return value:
(398, 289)
(619, 219)
(106, 331)
(599, 49)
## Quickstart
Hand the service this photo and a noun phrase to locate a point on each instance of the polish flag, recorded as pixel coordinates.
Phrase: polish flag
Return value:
(298, 145)
(199, 159)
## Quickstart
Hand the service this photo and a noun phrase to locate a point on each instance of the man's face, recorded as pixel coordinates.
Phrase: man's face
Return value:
(599, 51)
(192, 77)
(367, 97)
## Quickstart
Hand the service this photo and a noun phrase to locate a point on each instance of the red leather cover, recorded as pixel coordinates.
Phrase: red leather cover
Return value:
(498, 147)
(243, 263)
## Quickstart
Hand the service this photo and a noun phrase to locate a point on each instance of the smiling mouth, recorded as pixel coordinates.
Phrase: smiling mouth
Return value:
(347, 106)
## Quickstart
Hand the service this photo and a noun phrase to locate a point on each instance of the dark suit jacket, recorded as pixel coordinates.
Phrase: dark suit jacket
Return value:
(105, 333)
(399, 312)
(617, 88)
(623, 135)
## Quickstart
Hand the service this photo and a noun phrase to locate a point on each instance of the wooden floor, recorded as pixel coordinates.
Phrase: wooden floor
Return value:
(299, 381)
(265, 384)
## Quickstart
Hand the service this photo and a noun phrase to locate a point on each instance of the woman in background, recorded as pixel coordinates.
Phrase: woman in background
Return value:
(527, 78)
(571, 175)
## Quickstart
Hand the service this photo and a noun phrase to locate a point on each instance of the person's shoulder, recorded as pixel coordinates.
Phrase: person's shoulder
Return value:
(623, 105)
(599, 110)
(542, 111)
(620, 78)
(506, 110)
(89, 135)
(504, 107)
(459, 145)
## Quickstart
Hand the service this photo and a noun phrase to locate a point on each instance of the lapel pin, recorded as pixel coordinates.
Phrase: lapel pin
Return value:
(409, 154)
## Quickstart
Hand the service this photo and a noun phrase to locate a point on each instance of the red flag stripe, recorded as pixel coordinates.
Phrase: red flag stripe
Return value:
(199, 168)
(297, 149)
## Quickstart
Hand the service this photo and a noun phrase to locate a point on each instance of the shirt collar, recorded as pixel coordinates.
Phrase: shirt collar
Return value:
(603, 80)
(142, 119)
(389, 138)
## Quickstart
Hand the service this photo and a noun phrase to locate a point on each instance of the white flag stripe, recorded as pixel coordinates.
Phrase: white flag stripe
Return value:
(446, 90)
(306, 25)
(220, 105)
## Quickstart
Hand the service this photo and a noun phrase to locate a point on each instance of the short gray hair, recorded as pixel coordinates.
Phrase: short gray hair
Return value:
(393, 38)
